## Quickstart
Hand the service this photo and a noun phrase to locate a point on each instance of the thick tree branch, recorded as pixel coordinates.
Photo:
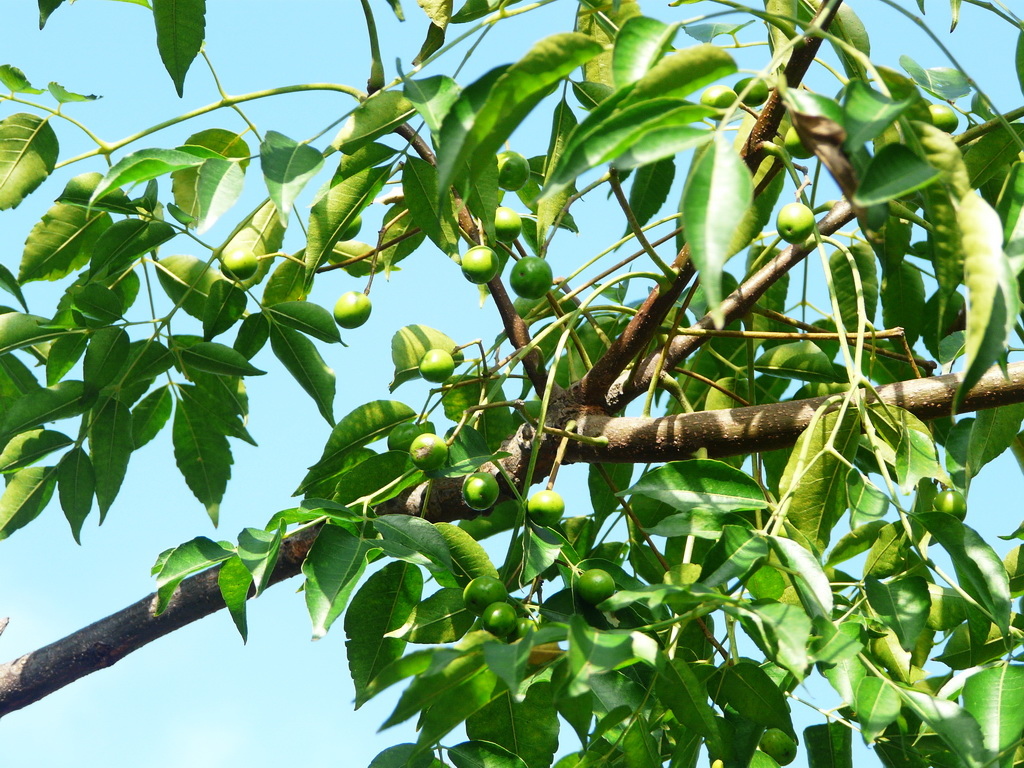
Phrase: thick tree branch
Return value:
(765, 427)
(721, 433)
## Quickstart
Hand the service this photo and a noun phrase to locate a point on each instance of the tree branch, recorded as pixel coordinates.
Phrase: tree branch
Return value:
(721, 433)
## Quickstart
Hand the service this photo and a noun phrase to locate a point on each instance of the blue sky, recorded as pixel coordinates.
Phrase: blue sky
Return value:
(199, 697)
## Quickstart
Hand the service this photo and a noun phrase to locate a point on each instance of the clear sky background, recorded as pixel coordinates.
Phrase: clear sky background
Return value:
(200, 697)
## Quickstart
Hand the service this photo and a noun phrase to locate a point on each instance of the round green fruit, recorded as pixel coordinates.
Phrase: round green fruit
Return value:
(437, 365)
(507, 224)
(400, 438)
(480, 491)
(546, 508)
(499, 619)
(513, 171)
(757, 93)
(794, 146)
(952, 503)
(795, 222)
(778, 745)
(718, 97)
(240, 264)
(352, 309)
(523, 626)
(482, 592)
(353, 227)
(595, 586)
(480, 264)
(428, 451)
(943, 118)
(530, 277)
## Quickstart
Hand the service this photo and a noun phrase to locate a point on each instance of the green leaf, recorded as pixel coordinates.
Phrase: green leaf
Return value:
(28, 154)
(110, 447)
(988, 157)
(842, 267)
(802, 360)
(76, 485)
(234, 582)
(867, 113)
(61, 242)
(105, 357)
(25, 496)
(127, 240)
(29, 447)
(9, 284)
(380, 606)
(408, 346)
(741, 553)
(944, 82)
(994, 430)
(65, 352)
(482, 118)
(287, 167)
(641, 41)
(815, 480)
(287, 283)
(302, 360)
(829, 745)
(954, 725)
(650, 188)
(893, 172)
(225, 306)
(995, 698)
(435, 216)
(336, 210)
(979, 569)
(367, 423)
(150, 415)
(469, 559)
(441, 618)
(753, 694)
(704, 483)
(14, 79)
(257, 551)
(686, 695)
(180, 29)
(991, 288)
(333, 566)
(902, 604)
(684, 72)
(380, 114)
(191, 557)
(811, 583)
(878, 705)
(903, 299)
(312, 319)
(415, 540)
(218, 185)
(488, 754)
(217, 358)
(61, 401)
(783, 631)
(432, 97)
(202, 454)
(144, 165)
(455, 702)
(592, 652)
(64, 96)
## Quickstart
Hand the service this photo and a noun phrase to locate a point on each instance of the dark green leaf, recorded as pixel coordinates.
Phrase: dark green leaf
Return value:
(27, 448)
(150, 415)
(332, 568)
(302, 360)
(76, 485)
(217, 358)
(180, 29)
(110, 446)
(61, 242)
(287, 167)
(305, 316)
(196, 555)
(202, 454)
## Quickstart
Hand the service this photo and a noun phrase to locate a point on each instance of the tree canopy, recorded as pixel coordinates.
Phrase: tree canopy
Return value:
(783, 361)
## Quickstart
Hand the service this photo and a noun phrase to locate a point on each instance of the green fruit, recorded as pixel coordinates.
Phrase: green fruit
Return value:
(595, 586)
(758, 93)
(352, 309)
(530, 277)
(507, 224)
(522, 627)
(943, 118)
(353, 227)
(400, 438)
(483, 592)
(241, 264)
(428, 451)
(952, 503)
(545, 508)
(778, 745)
(795, 222)
(718, 97)
(480, 264)
(437, 365)
(795, 146)
(499, 619)
(480, 491)
(513, 171)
